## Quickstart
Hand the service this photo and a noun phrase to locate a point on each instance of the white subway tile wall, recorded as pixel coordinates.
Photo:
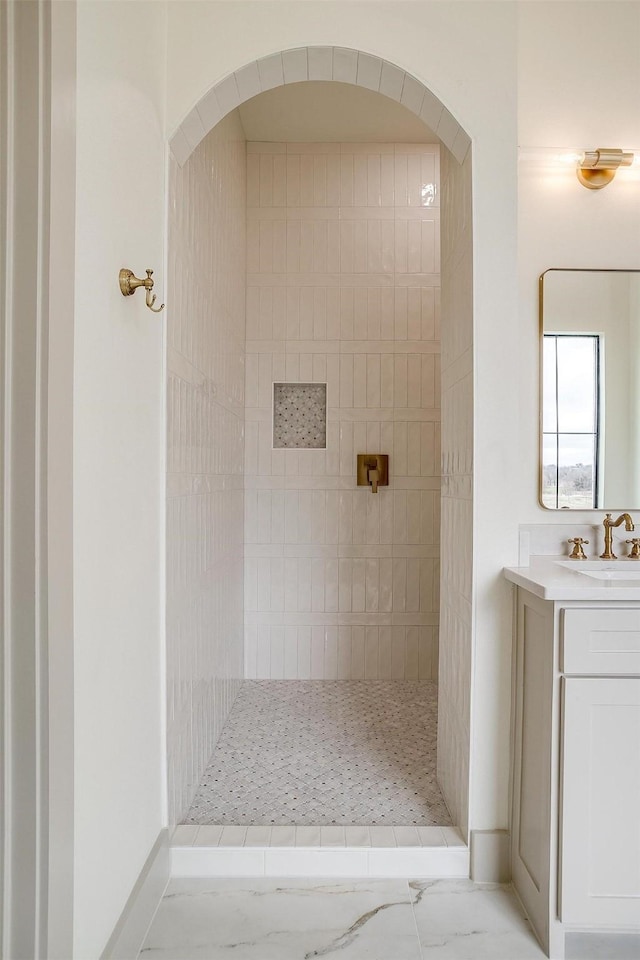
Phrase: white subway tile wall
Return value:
(343, 284)
(457, 487)
(205, 451)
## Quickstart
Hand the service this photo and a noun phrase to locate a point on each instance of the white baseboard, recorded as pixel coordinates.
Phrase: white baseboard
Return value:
(601, 943)
(490, 856)
(131, 929)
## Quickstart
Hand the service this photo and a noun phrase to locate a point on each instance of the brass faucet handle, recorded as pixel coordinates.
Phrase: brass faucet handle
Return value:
(578, 552)
(634, 553)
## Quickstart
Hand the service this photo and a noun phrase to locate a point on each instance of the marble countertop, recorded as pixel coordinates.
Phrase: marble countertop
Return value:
(558, 578)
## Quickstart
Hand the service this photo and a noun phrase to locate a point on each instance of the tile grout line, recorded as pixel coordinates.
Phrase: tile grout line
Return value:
(415, 919)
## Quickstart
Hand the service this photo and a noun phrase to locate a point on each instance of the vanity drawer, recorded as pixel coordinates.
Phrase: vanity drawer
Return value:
(600, 641)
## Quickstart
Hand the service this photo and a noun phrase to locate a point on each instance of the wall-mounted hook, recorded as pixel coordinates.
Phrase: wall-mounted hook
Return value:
(129, 283)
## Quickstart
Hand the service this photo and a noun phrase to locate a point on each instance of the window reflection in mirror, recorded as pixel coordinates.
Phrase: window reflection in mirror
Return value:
(590, 395)
(571, 390)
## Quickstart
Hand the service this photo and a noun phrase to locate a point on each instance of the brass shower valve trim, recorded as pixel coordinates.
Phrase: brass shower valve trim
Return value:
(373, 470)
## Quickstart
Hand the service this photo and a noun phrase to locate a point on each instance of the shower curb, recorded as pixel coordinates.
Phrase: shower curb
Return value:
(206, 858)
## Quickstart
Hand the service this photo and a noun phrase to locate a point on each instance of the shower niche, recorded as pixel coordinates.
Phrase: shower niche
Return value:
(299, 416)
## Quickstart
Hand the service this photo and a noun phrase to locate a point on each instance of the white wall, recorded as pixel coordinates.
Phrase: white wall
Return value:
(343, 289)
(317, 111)
(560, 223)
(60, 482)
(205, 451)
(466, 53)
(118, 460)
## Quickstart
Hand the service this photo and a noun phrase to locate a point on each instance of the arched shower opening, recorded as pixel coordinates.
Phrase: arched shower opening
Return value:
(224, 479)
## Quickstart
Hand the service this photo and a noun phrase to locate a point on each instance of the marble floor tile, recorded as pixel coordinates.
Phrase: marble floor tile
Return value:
(460, 920)
(307, 919)
(284, 920)
(322, 753)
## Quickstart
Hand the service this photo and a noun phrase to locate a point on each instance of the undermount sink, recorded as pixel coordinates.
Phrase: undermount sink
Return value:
(604, 569)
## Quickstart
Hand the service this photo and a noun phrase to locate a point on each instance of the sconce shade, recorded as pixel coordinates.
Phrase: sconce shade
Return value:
(597, 168)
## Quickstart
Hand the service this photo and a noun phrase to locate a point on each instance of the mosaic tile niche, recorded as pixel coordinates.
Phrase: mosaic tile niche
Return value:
(300, 415)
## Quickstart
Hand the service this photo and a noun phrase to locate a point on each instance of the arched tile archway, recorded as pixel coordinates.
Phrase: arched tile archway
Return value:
(339, 64)
(318, 63)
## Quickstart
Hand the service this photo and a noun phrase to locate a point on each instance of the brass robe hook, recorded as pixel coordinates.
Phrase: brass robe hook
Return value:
(129, 283)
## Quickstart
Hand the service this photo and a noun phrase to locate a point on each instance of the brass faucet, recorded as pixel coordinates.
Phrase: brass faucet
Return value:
(609, 524)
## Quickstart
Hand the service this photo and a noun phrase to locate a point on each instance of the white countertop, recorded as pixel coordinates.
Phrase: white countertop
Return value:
(552, 578)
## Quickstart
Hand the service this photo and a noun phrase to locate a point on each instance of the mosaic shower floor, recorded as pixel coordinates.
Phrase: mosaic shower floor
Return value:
(320, 752)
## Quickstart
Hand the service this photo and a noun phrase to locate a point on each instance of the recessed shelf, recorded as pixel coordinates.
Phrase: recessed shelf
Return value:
(300, 416)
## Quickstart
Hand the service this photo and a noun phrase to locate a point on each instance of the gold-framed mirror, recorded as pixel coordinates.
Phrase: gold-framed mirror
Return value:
(589, 389)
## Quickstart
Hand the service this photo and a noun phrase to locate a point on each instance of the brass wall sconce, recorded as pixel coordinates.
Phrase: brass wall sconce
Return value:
(597, 168)
(130, 283)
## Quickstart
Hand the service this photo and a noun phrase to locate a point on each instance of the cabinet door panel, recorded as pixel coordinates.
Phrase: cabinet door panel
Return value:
(601, 802)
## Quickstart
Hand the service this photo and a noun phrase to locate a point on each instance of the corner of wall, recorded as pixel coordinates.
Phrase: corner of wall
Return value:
(490, 856)
(456, 600)
(205, 451)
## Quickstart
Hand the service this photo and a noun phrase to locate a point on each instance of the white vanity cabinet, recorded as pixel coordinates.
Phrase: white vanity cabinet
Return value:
(600, 697)
(600, 837)
(576, 767)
